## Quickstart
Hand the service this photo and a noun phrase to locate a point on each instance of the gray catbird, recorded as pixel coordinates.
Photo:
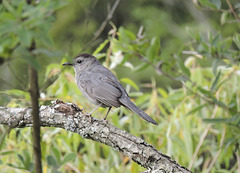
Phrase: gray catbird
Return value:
(101, 87)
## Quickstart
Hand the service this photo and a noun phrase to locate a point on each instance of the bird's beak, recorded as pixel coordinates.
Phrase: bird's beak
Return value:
(67, 63)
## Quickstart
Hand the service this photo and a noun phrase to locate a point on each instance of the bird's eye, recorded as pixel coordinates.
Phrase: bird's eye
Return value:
(79, 61)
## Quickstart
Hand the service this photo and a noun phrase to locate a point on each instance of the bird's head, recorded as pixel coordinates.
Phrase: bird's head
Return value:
(81, 62)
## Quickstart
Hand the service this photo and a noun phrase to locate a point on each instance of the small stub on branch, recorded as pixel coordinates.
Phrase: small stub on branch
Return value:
(67, 108)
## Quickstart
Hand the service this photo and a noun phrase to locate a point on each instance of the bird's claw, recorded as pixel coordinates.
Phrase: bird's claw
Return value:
(89, 116)
(105, 120)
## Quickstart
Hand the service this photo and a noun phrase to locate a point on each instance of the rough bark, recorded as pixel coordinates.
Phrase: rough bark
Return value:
(69, 117)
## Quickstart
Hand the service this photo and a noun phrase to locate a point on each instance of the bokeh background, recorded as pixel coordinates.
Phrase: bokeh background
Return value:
(178, 60)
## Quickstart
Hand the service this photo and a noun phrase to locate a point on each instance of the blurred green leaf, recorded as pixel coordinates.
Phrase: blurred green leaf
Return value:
(135, 168)
(6, 153)
(196, 109)
(42, 36)
(204, 91)
(130, 82)
(24, 36)
(219, 103)
(215, 65)
(125, 35)
(8, 6)
(21, 158)
(57, 155)
(27, 160)
(217, 3)
(20, 7)
(69, 157)
(224, 16)
(8, 27)
(100, 47)
(153, 50)
(6, 16)
(140, 67)
(162, 92)
(232, 141)
(17, 93)
(216, 40)
(187, 136)
(51, 161)
(182, 67)
(215, 82)
(217, 120)
(28, 57)
(236, 40)
(14, 166)
(2, 138)
(226, 44)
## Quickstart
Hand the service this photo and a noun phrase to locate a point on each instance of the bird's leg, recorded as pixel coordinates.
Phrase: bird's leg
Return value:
(89, 114)
(107, 113)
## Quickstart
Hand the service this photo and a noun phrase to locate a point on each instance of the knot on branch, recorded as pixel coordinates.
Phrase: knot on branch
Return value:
(66, 108)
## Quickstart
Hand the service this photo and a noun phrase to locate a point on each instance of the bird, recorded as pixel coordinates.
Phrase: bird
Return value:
(101, 87)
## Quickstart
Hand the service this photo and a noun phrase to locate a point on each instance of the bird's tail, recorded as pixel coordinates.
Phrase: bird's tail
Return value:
(130, 105)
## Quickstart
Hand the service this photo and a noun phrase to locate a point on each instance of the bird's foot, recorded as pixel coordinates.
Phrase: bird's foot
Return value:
(105, 120)
(89, 115)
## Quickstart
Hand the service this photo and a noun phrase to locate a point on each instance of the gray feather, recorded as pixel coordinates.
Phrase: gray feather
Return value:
(130, 105)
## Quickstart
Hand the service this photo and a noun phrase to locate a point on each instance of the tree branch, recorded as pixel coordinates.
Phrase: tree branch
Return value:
(69, 117)
(232, 11)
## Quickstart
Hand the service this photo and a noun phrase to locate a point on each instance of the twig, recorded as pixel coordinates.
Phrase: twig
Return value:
(71, 166)
(232, 10)
(89, 12)
(20, 81)
(140, 34)
(113, 33)
(103, 25)
(3, 136)
(49, 82)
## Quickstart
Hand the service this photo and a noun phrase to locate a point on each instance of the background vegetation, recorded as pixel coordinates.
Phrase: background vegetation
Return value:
(179, 61)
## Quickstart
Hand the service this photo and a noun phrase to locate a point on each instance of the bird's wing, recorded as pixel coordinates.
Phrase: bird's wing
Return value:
(102, 88)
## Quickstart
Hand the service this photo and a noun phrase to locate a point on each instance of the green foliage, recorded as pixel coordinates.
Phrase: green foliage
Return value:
(55, 161)
(198, 110)
(22, 23)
